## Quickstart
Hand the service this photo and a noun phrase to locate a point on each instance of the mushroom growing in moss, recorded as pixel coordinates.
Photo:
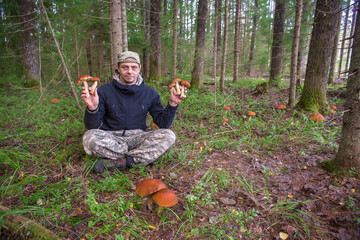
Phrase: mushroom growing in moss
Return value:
(147, 187)
(250, 114)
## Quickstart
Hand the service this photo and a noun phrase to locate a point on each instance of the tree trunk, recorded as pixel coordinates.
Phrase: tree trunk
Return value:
(88, 55)
(237, 41)
(155, 40)
(174, 40)
(343, 38)
(223, 62)
(313, 97)
(349, 148)
(252, 43)
(218, 10)
(29, 50)
(198, 70)
(116, 30)
(276, 50)
(124, 25)
(335, 49)
(294, 54)
(77, 55)
(181, 36)
(17, 224)
(353, 21)
(146, 56)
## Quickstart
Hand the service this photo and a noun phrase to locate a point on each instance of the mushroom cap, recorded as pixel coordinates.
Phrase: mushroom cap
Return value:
(226, 108)
(317, 117)
(185, 83)
(333, 107)
(81, 79)
(173, 83)
(250, 113)
(225, 120)
(281, 106)
(94, 79)
(165, 198)
(149, 186)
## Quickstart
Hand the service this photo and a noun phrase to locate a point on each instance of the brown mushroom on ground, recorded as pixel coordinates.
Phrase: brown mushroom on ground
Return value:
(147, 187)
(164, 198)
(93, 87)
(83, 80)
(176, 84)
(186, 84)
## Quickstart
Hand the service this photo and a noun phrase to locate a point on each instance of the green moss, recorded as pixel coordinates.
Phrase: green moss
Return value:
(313, 101)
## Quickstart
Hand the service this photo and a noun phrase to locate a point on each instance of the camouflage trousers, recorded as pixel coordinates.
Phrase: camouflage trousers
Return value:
(144, 147)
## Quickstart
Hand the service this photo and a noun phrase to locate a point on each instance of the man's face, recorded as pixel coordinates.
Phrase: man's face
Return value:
(129, 72)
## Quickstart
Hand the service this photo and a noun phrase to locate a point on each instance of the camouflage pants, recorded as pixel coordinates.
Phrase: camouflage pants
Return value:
(144, 147)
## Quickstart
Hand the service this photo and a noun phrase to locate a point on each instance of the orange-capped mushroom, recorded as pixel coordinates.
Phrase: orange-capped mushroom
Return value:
(165, 198)
(93, 87)
(333, 107)
(147, 187)
(176, 84)
(281, 106)
(186, 84)
(317, 117)
(226, 108)
(83, 80)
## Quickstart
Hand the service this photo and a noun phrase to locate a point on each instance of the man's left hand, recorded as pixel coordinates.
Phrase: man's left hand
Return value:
(175, 99)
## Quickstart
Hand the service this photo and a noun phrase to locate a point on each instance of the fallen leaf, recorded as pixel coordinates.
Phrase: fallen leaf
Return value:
(283, 235)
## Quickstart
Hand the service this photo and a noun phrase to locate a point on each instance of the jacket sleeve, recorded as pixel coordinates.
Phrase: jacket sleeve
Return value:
(163, 117)
(93, 119)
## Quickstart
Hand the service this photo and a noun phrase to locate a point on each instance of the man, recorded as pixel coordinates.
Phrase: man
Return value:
(116, 118)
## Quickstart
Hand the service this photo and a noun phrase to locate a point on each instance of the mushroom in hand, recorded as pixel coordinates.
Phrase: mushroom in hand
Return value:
(176, 84)
(83, 81)
(164, 198)
(147, 187)
(186, 84)
(93, 87)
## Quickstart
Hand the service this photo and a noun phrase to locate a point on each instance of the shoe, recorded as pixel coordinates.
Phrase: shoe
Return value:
(103, 164)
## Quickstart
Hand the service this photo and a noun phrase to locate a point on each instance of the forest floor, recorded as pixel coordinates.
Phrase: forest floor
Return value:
(226, 189)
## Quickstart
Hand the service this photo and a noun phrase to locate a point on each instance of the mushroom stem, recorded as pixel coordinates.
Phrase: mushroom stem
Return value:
(177, 86)
(182, 94)
(93, 87)
(160, 209)
(86, 89)
(149, 202)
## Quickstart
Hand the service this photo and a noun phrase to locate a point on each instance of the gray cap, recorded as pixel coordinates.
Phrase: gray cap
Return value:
(129, 56)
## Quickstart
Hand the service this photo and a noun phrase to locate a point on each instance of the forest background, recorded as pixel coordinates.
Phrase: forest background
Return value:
(299, 53)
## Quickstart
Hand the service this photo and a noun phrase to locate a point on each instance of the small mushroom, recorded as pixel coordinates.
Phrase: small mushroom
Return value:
(93, 87)
(225, 120)
(317, 117)
(333, 107)
(281, 106)
(176, 84)
(164, 198)
(147, 187)
(186, 84)
(83, 81)
(250, 113)
(226, 108)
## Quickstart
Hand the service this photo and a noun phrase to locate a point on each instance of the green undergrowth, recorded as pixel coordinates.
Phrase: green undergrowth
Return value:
(47, 176)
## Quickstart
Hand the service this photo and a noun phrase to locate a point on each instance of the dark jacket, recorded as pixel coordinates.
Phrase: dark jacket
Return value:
(124, 107)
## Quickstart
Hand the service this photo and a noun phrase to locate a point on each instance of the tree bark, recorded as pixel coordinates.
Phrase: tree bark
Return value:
(294, 54)
(88, 55)
(116, 30)
(224, 56)
(174, 40)
(343, 38)
(124, 25)
(335, 49)
(146, 56)
(155, 40)
(252, 43)
(237, 41)
(277, 48)
(349, 148)
(218, 10)
(198, 70)
(29, 50)
(353, 21)
(313, 97)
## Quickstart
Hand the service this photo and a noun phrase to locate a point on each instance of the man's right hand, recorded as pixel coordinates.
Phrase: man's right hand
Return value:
(92, 101)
